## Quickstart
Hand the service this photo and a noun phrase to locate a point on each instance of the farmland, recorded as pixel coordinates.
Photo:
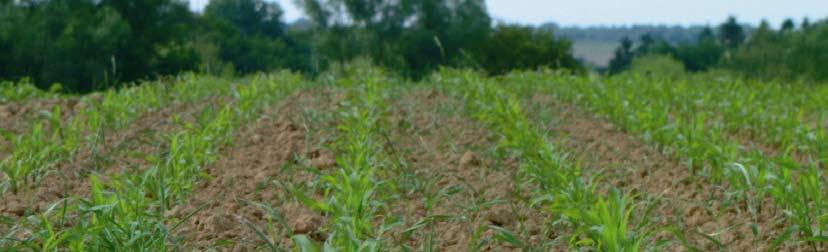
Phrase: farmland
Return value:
(359, 159)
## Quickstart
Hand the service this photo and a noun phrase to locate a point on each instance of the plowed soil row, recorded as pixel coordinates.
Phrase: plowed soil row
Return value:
(450, 152)
(453, 175)
(247, 187)
(129, 148)
(15, 118)
(441, 150)
(698, 209)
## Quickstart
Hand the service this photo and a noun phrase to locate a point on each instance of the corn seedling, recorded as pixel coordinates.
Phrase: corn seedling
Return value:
(602, 222)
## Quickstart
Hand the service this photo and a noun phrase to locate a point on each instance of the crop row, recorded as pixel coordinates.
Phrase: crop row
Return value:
(48, 142)
(713, 124)
(127, 211)
(354, 193)
(597, 220)
(24, 90)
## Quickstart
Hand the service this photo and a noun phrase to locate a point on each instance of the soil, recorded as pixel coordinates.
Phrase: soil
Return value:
(247, 187)
(447, 150)
(684, 201)
(284, 150)
(129, 148)
(452, 173)
(16, 118)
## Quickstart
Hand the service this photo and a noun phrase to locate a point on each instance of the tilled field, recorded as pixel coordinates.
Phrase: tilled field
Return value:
(360, 160)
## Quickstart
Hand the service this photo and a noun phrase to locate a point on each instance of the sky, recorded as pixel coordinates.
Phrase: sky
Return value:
(617, 12)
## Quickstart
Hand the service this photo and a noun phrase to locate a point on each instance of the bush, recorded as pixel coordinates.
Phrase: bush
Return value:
(512, 47)
(657, 65)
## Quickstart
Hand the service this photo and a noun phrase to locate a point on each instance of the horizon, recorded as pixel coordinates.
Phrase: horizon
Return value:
(607, 13)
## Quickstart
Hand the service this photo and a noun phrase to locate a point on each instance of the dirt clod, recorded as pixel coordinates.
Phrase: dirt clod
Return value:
(220, 223)
(7, 110)
(323, 160)
(500, 216)
(15, 208)
(305, 223)
(469, 159)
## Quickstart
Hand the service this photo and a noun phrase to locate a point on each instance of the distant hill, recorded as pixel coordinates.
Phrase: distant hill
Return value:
(595, 45)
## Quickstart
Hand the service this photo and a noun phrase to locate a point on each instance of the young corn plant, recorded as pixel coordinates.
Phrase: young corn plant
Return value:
(702, 121)
(126, 212)
(599, 222)
(111, 110)
(354, 192)
(36, 153)
(25, 90)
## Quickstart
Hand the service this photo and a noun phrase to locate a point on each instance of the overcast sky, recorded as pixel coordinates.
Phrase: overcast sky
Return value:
(618, 12)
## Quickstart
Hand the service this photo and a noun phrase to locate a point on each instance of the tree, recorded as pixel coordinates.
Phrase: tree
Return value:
(731, 33)
(251, 35)
(622, 58)
(806, 23)
(794, 54)
(706, 35)
(653, 45)
(703, 55)
(248, 17)
(88, 44)
(518, 47)
(413, 37)
(787, 25)
(158, 31)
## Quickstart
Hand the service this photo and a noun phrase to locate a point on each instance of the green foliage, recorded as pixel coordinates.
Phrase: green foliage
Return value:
(250, 35)
(511, 47)
(354, 191)
(701, 56)
(599, 222)
(661, 65)
(125, 212)
(623, 57)
(91, 45)
(695, 57)
(412, 37)
(25, 90)
(673, 34)
(788, 54)
(731, 33)
(56, 139)
(606, 224)
(697, 119)
(88, 45)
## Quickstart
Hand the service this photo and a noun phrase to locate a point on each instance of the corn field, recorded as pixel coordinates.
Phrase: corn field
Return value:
(358, 159)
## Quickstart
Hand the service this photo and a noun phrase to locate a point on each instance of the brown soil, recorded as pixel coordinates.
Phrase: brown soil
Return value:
(120, 150)
(685, 201)
(440, 151)
(249, 190)
(13, 114)
(15, 118)
(274, 152)
(447, 150)
(800, 156)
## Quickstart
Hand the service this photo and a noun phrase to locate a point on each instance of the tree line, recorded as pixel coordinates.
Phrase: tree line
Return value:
(793, 51)
(670, 33)
(88, 45)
